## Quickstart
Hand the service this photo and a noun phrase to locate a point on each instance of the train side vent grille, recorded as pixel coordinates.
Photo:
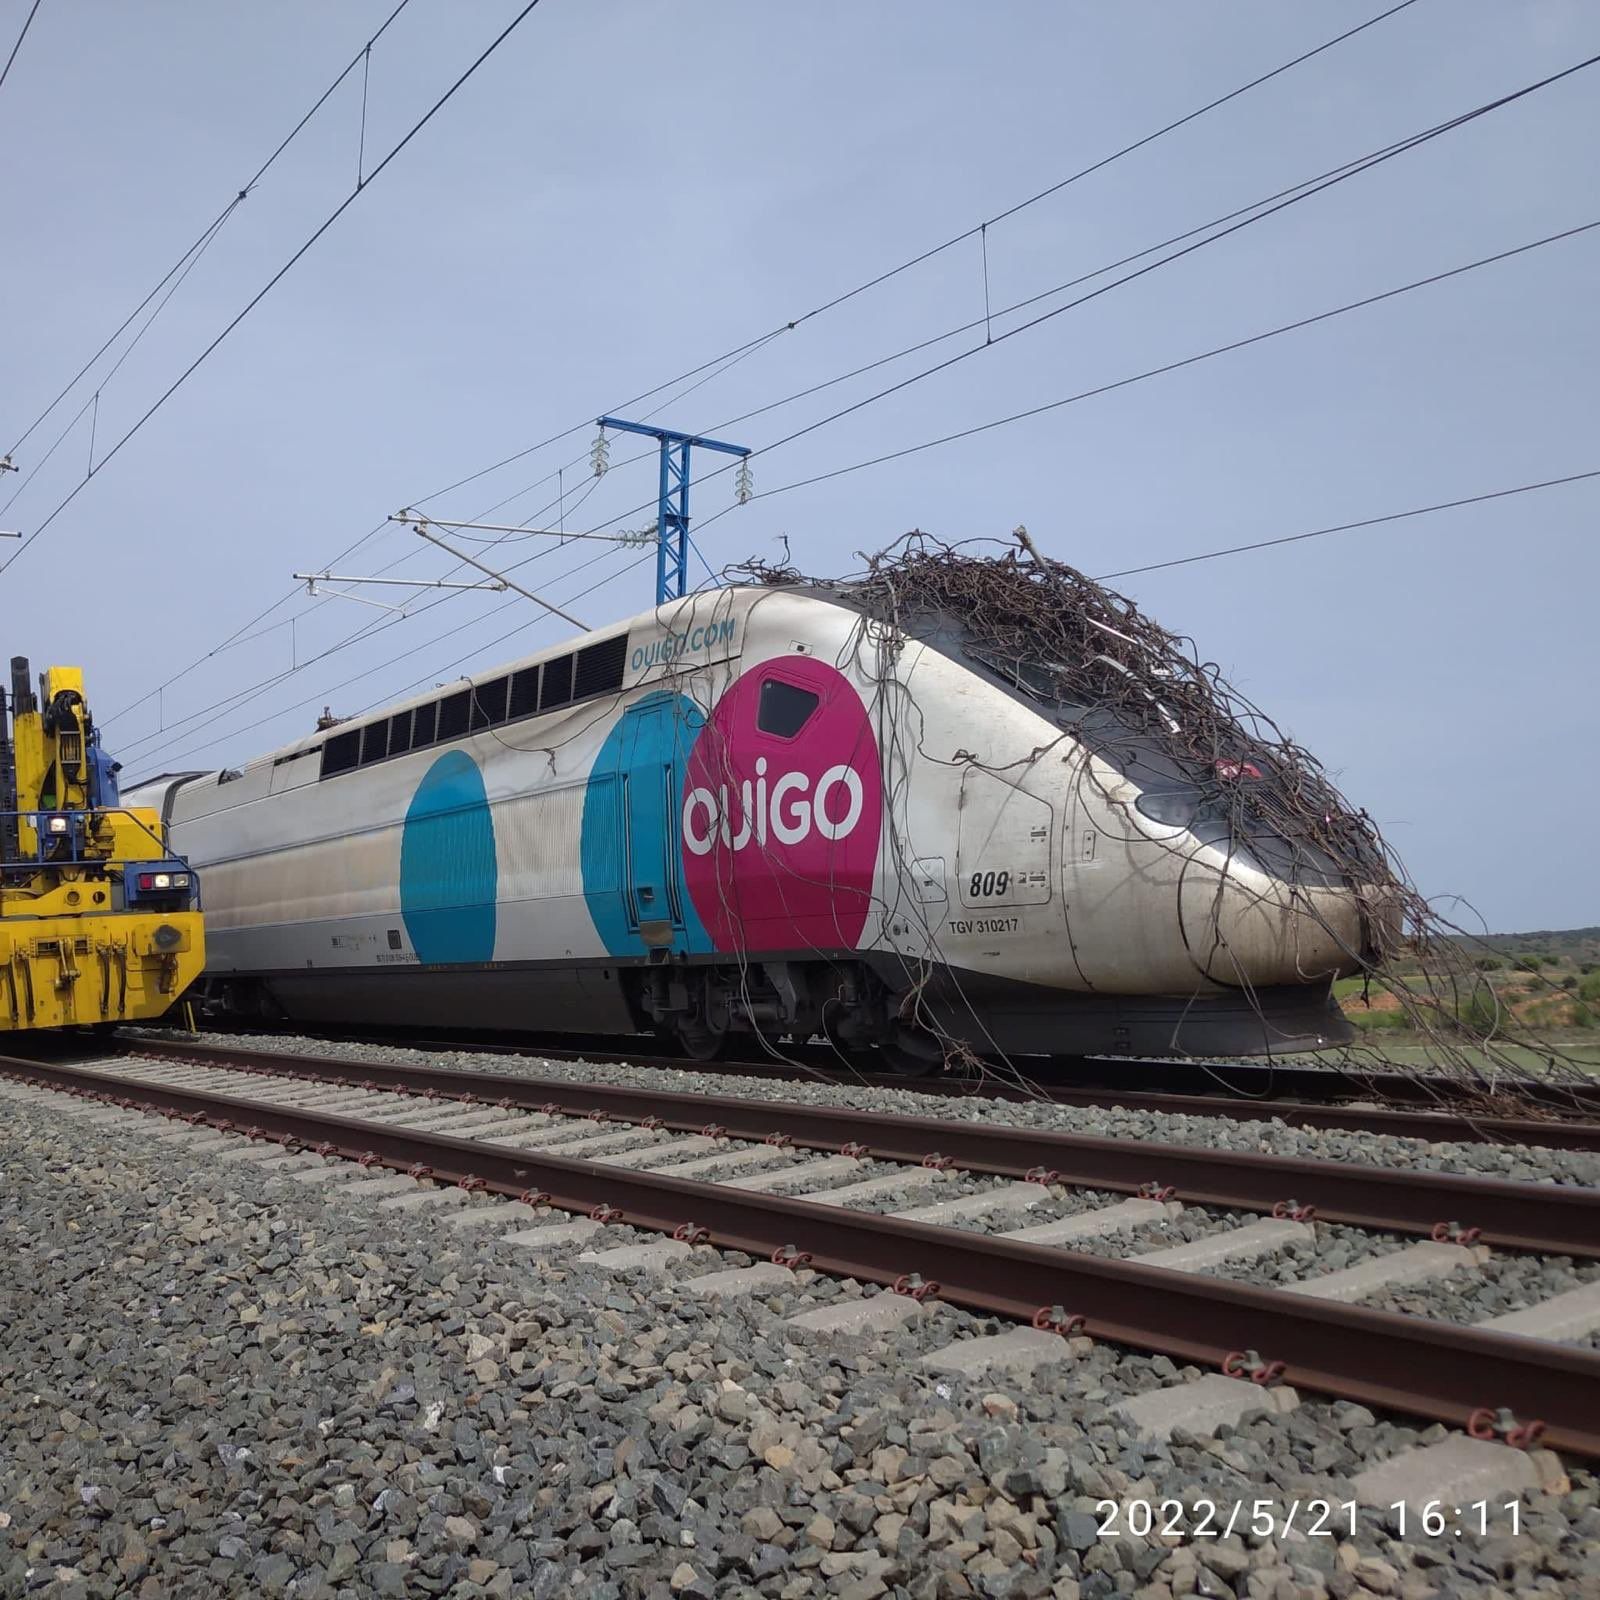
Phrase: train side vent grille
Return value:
(555, 688)
(599, 669)
(524, 693)
(400, 733)
(341, 753)
(489, 704)
(453, 715)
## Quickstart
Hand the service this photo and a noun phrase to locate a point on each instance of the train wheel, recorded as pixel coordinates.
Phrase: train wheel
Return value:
(700, 1042)
(912, 1053)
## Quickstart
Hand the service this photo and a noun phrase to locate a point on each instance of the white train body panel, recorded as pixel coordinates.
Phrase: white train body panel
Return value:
(758, 787)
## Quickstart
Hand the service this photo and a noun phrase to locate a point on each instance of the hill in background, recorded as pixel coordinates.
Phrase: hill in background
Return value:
(1571, 944)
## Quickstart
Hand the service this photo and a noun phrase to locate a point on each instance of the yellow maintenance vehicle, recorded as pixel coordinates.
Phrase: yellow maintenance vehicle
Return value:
(99, 922)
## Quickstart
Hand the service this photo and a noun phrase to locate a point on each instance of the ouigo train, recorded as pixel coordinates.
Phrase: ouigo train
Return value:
(725, 817)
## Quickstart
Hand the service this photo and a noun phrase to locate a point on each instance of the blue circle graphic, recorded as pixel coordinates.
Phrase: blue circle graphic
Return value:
(448, 875)
(629, 852)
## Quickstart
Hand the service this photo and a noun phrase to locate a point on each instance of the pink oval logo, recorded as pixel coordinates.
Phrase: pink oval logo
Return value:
(781, 811)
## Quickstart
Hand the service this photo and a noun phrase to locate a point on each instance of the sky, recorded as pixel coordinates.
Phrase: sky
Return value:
(623, 193)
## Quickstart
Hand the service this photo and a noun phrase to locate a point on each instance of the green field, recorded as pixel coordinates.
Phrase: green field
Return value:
(1541, 986)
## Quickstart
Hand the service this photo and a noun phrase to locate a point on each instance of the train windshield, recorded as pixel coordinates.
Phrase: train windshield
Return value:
(1230, 787)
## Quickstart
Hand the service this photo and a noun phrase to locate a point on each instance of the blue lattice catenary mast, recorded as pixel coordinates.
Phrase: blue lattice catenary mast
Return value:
(672, 516)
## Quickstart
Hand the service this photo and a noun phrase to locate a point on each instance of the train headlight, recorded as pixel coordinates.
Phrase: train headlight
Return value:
(57, 825)
(180, 880)
(156, 880)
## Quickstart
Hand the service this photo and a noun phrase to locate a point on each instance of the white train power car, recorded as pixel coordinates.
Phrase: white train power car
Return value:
(756, 810)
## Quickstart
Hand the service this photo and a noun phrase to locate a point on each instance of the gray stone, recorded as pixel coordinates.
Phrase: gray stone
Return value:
(462, 1532)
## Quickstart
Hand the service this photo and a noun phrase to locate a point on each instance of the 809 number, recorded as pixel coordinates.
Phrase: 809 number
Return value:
(988, 885)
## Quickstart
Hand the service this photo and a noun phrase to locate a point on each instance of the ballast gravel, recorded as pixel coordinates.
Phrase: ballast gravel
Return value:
(217, 1381)
(1268, 1136)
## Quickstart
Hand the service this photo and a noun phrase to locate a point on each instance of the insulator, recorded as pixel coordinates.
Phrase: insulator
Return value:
(744, 482)
(600, 454)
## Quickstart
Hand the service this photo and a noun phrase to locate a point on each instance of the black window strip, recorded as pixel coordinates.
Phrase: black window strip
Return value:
(599, 668)
(489, 704)
(524, 693)
(555, 688)
(453, 715)
(341, 753)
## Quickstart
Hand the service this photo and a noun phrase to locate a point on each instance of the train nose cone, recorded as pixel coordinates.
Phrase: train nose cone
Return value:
(1245, 923)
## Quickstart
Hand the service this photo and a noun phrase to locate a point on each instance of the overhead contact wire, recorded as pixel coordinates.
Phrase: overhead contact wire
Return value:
(282, 271)
(27, 23)
(750, 346)
(1172, 366)
(1351, 527)
(1403, 147)
(211, 228)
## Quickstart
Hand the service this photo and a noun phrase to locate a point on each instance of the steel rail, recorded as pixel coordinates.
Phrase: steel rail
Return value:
(1258, 1104)
(1552, 1219)
(1409, 1106)
(1431, 1369)
(1466, 1127)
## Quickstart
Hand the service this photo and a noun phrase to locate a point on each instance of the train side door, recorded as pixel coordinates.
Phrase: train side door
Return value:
(655, 749)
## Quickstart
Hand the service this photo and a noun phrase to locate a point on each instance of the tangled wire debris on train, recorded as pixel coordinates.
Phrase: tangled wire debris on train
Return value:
(1206, 760)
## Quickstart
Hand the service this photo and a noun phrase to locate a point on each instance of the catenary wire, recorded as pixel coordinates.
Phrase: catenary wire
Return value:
(1170, 366)
(984, 322)
(750, 346)
(210, 230)
(1103, 162)
(241, 634)
(1262, 544)
(278, 276)
(1340, 176)
(133, 344)
(1237, 344)
(312, 699)
(27, 22)
(928, 254)
(1295, 191)
(1350, 527)
(361, 635)
(1258, 212)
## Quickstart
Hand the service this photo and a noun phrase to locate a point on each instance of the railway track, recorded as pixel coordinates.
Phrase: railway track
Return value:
(612, 1157)
(1418, 1107)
